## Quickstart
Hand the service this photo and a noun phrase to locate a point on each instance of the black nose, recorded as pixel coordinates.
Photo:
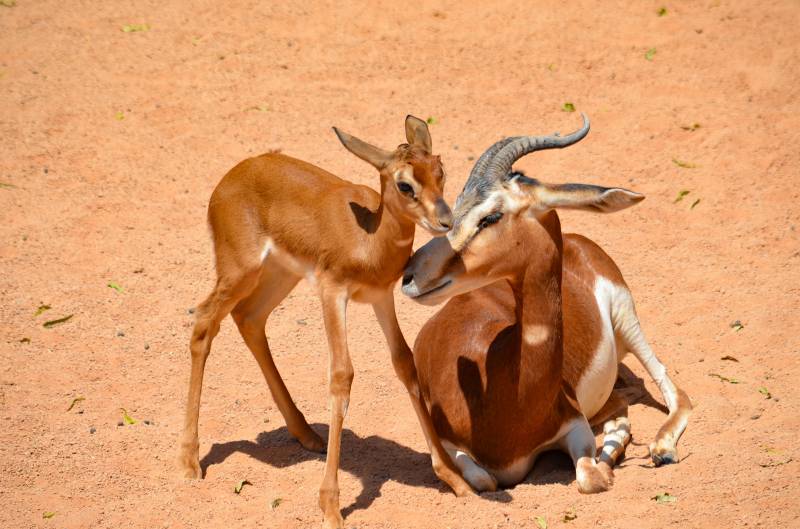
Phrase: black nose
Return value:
(407, 278)
(444, 214)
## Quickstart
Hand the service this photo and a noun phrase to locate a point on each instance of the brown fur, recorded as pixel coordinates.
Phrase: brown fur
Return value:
(488, 411)
(274, 220)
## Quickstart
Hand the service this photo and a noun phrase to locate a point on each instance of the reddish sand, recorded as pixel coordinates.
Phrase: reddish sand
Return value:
(112, 142)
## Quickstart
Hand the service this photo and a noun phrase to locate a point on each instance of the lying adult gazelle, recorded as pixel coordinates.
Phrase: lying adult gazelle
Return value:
(513, 368)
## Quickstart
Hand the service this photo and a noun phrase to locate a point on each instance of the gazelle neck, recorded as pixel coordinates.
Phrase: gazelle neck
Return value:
(537, 293)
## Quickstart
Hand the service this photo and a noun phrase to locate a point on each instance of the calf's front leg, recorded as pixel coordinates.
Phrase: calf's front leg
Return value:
(403, 361)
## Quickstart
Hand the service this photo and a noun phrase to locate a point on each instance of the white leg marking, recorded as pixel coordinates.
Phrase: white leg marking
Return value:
(626, 324)
(598, 379)
(475, 475)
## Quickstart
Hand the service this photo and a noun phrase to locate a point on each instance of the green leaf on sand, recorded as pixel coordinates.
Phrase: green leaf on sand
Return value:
(4, 185)
(431, 121)
(115, 286)
(725, 379)
(737, 326)
(569, 516)
(127, 418)
(568, 107)
(685, 165)
(541, 522)
(691, 128)
(662, 12)
(764, 391)
(48, 514)
(682, 193)
(134, 28)
(9, 3)
(75, 401)
(649, 54)
(274, 504)
(238, 488)
(665, 497)
(53, 323)
(119, 116)
(41, 309)
(694, 203)
(259, 108)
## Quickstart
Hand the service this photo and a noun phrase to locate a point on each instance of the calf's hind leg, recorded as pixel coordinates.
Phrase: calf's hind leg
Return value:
(250, 315)
(227, 292)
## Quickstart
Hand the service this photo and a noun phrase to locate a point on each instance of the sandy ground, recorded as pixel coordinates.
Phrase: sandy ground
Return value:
(110, 145)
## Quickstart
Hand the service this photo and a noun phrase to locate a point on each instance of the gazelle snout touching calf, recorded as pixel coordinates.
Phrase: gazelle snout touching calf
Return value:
(276, 220)
(528, 347)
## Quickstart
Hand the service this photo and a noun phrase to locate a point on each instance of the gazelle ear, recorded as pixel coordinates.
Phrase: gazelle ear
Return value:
(577, 196)
(417, 133)
(375, 156)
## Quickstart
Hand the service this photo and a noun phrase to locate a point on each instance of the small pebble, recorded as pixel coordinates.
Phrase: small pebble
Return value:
(120, 423)
(92, 429)
(147, 422)
(190, 311)
(120, 333)
(146, 346)
(755, 416)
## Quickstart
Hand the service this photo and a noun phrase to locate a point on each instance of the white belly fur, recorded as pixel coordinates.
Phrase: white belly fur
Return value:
(598, 379)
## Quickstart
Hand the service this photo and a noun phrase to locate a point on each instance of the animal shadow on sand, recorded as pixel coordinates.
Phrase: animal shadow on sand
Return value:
(373, 460)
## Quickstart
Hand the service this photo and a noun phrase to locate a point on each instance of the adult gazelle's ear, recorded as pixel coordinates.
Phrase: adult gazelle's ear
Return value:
(417, 133)
(375, 156)
(576, 196)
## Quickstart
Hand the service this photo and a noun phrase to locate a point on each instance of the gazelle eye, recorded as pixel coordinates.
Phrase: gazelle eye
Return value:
(405, 188)
(488, 220)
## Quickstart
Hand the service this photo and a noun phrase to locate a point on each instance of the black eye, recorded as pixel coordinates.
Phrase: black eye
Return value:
(405, 188)
(488, 220)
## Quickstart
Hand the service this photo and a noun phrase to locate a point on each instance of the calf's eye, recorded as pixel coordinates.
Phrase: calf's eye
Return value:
(405, 188)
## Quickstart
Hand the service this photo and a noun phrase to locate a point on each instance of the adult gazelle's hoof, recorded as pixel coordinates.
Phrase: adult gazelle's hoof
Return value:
(663, 453)
(593, 477)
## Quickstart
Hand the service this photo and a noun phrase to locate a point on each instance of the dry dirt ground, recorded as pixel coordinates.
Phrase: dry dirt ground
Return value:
(112, 141)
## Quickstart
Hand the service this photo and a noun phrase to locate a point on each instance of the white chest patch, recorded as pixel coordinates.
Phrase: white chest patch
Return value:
(598, 379)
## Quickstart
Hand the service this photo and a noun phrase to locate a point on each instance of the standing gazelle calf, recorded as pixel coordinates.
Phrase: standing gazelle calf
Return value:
(276, 220)
(529, 347)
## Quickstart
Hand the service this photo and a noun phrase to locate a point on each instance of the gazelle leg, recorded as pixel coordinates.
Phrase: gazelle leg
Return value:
(250, 316)
(403, 361)
(664, 449)
(227, 292)
(616, 428)
(579, 444)
(340, 378)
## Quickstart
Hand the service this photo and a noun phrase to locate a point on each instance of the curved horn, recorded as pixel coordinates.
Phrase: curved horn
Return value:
(483, 162)
(501, 163)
